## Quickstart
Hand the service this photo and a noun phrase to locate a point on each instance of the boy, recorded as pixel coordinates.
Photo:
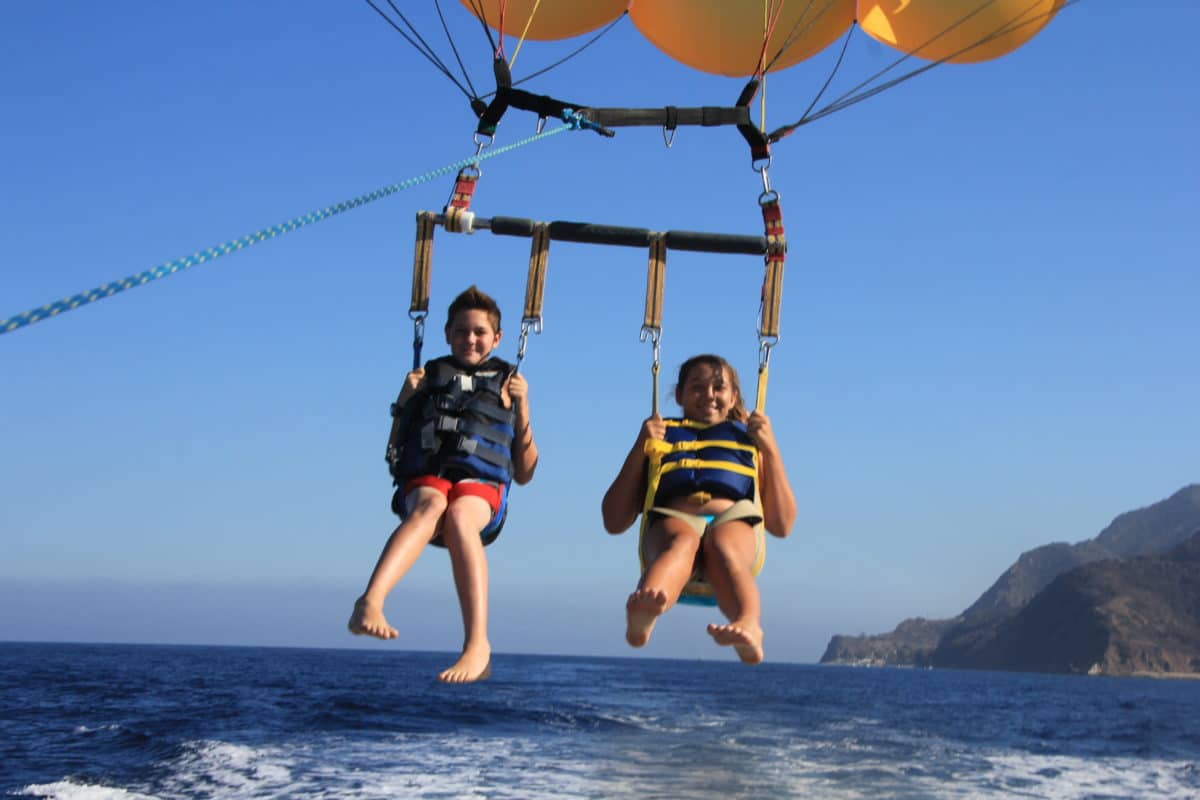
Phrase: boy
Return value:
(461, 433)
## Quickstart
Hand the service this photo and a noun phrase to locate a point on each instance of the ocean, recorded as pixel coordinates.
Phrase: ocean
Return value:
(127, 722)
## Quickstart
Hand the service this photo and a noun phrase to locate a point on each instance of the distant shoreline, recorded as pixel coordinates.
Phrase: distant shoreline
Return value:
(1179, 676)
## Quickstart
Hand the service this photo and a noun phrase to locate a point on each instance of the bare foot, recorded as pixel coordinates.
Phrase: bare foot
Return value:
(642, 610)
(746, 639)
(475, 664)
(368, 620)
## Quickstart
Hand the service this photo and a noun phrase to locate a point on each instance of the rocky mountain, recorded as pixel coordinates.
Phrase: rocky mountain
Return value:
(1113, 617)
(911, 644)
(973, 637)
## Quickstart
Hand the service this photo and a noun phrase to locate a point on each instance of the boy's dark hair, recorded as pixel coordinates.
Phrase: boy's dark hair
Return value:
(472, 299)
(738, 413)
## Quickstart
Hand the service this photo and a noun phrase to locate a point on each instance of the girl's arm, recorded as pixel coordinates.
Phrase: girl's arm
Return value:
(623, 501)
(524, 449)
(778, 502)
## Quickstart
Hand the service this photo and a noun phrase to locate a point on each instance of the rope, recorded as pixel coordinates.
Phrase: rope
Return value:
(171, 267)
(524, 33)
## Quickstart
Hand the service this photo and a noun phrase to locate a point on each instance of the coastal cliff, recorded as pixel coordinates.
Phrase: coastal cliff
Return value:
(1125, 602)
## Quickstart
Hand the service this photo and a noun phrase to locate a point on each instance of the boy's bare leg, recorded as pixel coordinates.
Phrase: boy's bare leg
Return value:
(464, 520)
(398, 556)
(728, 558)
(671, 548)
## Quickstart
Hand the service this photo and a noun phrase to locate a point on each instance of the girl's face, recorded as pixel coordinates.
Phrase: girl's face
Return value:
(471, 337)
(705, 395)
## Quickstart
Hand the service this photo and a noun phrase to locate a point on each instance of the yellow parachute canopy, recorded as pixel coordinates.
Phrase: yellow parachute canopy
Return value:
(958, 31)
(727, 38)
(546, 19)
(741, 37)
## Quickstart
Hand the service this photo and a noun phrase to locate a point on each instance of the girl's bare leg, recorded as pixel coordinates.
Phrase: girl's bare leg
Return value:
(464, 520)
(728, 561)
(398, 556)
(671, 546)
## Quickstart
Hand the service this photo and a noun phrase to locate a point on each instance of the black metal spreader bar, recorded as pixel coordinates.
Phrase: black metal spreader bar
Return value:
(592, 233)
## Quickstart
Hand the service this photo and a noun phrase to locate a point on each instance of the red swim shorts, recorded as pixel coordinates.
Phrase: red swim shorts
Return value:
(452, 490)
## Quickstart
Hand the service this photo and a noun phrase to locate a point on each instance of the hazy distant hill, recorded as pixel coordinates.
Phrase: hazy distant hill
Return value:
(973, 638)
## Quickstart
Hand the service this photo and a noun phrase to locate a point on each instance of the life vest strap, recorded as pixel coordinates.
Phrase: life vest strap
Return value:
(471, 447)
(698, 463)
(704, 444)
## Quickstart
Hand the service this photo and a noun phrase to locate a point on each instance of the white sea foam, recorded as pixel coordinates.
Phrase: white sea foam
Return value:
(463, 767)
(89, 729)
(69, 790)
(1074, 778)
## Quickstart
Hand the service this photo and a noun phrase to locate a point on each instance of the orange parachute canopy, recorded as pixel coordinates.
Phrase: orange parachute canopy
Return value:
(747, 37)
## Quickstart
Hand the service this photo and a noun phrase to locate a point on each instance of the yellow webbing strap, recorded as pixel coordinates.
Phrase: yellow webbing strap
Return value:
(682, 447)
(699, 463)
(535, 284)
(422, 263)
(760, 400)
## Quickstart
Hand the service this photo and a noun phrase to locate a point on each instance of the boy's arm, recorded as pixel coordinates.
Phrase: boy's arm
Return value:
(623, 501)
(524, 452)
(778, 501)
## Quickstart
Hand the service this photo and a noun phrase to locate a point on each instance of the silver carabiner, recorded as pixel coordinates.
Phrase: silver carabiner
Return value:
(655, 336)
(765, 343)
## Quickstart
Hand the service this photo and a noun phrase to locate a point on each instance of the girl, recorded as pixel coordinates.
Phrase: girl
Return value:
(702, 520)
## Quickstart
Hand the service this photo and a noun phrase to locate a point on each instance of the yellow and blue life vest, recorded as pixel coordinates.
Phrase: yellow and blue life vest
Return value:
(719, 459)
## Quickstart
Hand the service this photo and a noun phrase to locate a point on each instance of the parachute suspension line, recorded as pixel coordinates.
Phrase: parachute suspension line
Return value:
(454, 48)
(535, 287)
(656, 271)
(772, 289)
(762, 107)
(859, 93)
(837, 65)
(419, 44)
(521, 39)
(771, 11)
(418, 309)
(171, 267)
(570, 55)
(499, 54)
(800, 27)
(477, 9)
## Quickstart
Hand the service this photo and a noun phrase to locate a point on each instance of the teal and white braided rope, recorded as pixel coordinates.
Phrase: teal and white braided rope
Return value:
(171, 267)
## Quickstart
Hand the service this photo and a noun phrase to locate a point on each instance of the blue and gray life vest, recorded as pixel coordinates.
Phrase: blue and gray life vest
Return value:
(456, 426)
(719, 459)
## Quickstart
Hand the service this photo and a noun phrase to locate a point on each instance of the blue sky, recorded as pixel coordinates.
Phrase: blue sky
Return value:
(988, 329)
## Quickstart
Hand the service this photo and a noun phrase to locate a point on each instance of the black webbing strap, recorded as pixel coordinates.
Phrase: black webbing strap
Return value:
(760, 149)
(507, 97)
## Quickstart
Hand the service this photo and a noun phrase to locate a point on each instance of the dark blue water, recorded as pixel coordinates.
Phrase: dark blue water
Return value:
(115, 721)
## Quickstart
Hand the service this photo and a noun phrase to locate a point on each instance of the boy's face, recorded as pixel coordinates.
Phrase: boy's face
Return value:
(471, 337)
